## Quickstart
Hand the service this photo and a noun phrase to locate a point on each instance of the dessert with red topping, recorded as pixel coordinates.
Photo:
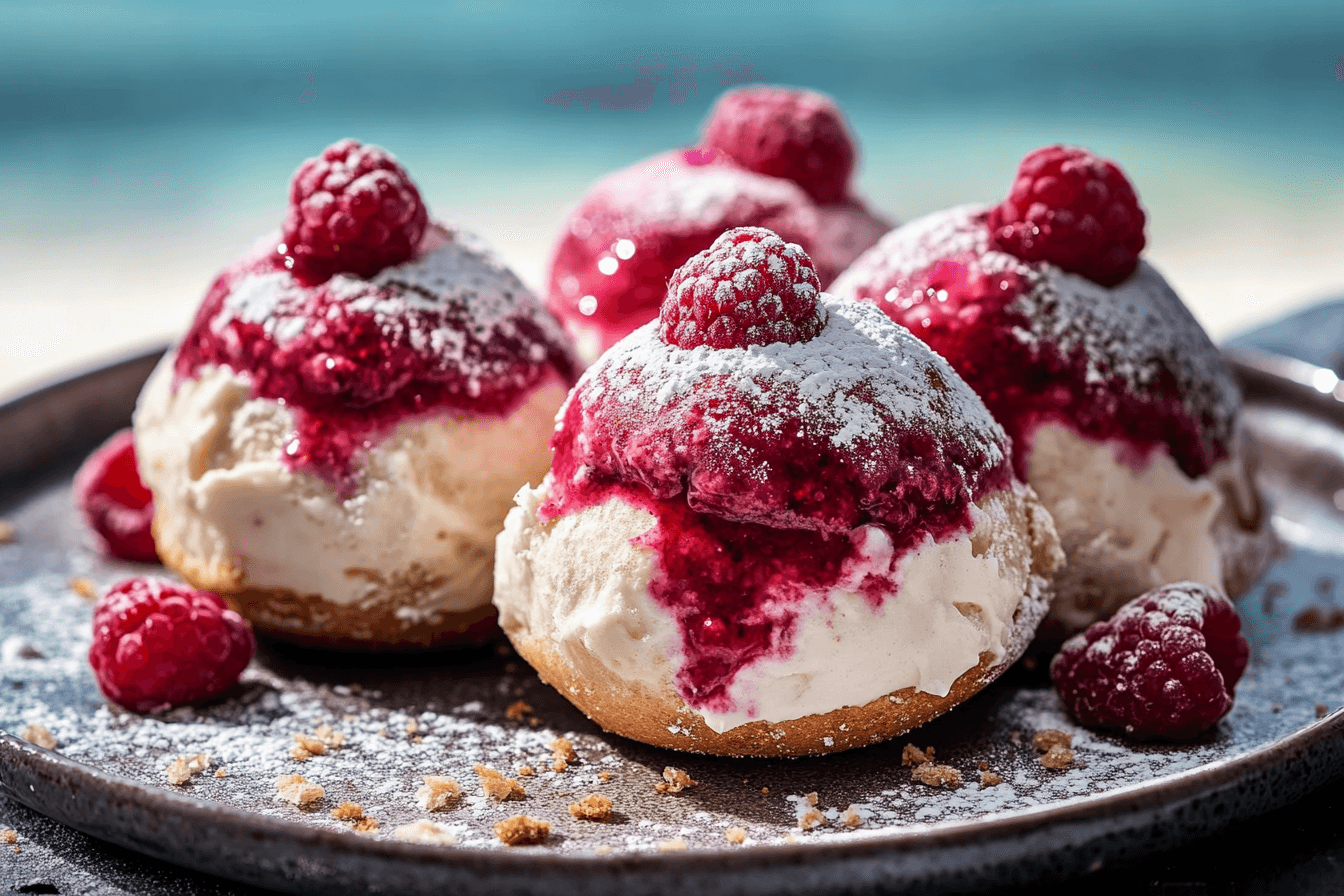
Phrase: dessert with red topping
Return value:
(1122, 414)
(776, 524)
(1164, 666)
(335, 442)
(769, 156)
(158, 644)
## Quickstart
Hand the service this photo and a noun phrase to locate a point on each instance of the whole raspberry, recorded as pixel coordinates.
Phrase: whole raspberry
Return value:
(115, 503)
(158, 644)
(1074, 210)
(1164, 666)
(748, 288)
(794, 134)
(352, 209)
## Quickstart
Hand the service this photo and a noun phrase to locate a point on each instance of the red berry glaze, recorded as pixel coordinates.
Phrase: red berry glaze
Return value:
(158, 644)
(115, 503)
(1164, 666)
(352, 209)
(1074, 210)
(794, 134)
(748, 288)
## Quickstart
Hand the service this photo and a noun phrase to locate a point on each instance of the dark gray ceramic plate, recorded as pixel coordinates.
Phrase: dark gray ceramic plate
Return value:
(407, 717)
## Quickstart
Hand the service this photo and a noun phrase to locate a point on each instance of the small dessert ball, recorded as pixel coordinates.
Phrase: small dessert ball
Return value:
(776, 524)
(1123, 416)
(336, 440)
(770, 156)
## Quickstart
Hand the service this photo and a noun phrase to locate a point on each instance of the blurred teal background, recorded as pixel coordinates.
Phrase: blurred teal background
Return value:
(144, 144)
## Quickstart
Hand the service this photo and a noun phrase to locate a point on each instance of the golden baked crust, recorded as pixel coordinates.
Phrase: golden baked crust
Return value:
(310, 620)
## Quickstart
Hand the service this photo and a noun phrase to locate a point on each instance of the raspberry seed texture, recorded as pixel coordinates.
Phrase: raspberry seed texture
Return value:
(158, 644)
(749, 288)
(1074, 210)
(352, 209)
(1164, 666)
(795, 134)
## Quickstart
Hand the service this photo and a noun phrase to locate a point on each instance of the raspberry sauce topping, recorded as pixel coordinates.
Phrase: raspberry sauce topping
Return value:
(351, 209)
(766, 467)
(158, 644)
(794, 134)
(1164, 666)
(1074, 210)
(115, 503)
(452, 330)
(749, 288)
(636, 227)
(1039, 345)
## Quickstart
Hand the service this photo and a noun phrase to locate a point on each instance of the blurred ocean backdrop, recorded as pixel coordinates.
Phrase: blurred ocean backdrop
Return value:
(145, 144)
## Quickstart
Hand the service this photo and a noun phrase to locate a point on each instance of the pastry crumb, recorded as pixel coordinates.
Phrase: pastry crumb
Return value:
(1057, 757)
(9, 835)
(526, 771)
(85, 587)
(735, 835)
(522, 830)
(38, 735)
(562, 751)
(412, 726)
(913, 755)
(593, 807)
(438, 793)
(676, 844)
(765, 790)
(425, 832)
(329, 738)
(517, 710)
(559, 765)
(307, 747)
(181, 769)
(936, 775)
(851, 817)
(674, 781)
(366, 825)
(298, 790)
(348, 812)
(1322, 710)
(1046, 738)
(604, 777)
(603, 850)
(982, 765)
(989, 779)
(497, 787)
(7, 532)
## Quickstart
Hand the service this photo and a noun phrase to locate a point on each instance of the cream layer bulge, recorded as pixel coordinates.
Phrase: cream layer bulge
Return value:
(428, 502)
(579, 583)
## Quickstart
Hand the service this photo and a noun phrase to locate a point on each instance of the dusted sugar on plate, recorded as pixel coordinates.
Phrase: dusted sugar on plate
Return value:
(1122, 413)
(776, 524)
(769, 156)
(336, 440)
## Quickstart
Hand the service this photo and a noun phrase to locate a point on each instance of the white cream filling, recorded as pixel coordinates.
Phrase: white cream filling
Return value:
(581, 585)
(1127, 531)
(430, 496)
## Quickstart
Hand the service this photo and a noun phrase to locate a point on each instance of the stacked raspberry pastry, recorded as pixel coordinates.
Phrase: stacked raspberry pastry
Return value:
(776, 524)
(769, 156)
(335, 442)
(1123, 416)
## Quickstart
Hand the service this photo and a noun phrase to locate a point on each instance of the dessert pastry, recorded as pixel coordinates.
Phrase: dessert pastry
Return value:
(770, 157)
(1123, 416)
(335, 442)
(776, 524)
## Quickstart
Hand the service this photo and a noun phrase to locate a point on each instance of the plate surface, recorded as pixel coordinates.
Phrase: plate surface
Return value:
(404, 718)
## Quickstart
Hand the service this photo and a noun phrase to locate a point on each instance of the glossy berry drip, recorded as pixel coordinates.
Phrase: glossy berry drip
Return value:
(158, 644)
(759, 465)
(1035, 355)
(794, 134)
(1164, 666)
(114, 502)
(351, 359)
(1074, 210)
(748, 288)
(352, 209)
